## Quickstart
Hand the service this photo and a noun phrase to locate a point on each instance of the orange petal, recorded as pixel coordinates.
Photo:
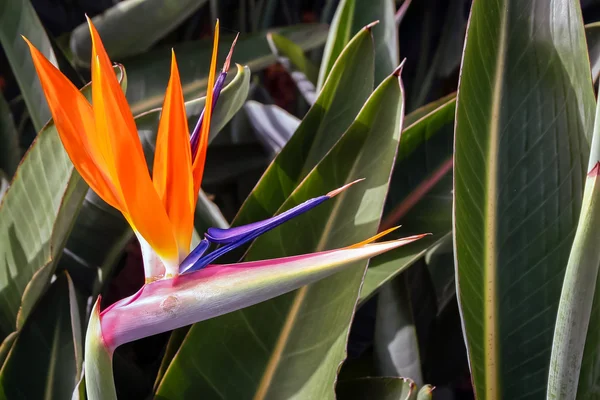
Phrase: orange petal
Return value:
(200, 158)
(74, 120)
(120, 144)
(372, 238)
(172, 171)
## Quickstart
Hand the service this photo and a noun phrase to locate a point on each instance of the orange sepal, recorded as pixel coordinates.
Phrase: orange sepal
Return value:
(200, 156)
(172, 171)
(118, 138)
(74, 120)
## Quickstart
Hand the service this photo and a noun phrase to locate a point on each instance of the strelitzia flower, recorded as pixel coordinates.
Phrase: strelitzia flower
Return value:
(182, 286)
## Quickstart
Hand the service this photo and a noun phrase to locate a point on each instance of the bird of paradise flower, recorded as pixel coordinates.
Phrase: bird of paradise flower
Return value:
(182, 286)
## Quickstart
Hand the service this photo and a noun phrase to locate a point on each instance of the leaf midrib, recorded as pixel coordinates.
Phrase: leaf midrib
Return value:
(492, 384)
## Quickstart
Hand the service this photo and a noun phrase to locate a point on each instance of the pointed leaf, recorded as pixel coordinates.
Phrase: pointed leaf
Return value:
(350, 17)
(525, 105)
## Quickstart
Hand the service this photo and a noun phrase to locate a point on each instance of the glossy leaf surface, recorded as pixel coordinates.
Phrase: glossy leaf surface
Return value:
(524, 108)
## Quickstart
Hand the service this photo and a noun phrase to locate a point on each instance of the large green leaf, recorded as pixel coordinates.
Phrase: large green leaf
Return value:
(149, 72)
(101, 233)
(132, 26)
(524, 108)
(376, 388)
(10, 153)
(291, 346)
(350, 17)
(17, 17)
(46, 358)
(36, 216)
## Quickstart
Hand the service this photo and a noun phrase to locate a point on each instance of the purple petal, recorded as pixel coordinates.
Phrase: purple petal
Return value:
(195, 138)
(194, 255)
(222, 236)
(235, 237)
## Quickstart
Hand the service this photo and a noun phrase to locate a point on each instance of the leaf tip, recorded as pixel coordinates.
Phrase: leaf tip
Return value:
(371, 25)
(337, 191)
(398, 71)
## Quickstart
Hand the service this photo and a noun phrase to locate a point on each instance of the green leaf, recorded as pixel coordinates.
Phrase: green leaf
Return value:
(335, 109)
(131, 27)
(10, 153)
(524, 108)
(297, 341)
(592, 34)
(101, 233)
(273, 125)
(149, 72)
(36, 216)
(17, 17)
(376, 388)
(51, 337)
(349, 18)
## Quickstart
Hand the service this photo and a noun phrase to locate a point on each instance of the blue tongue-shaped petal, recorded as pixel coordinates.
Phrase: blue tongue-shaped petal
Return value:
(223, 236)
(235, 237)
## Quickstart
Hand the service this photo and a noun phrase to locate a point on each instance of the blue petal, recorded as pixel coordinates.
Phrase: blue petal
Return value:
(194, 255)
(195, 137)
(223, 236)
(235, 237)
